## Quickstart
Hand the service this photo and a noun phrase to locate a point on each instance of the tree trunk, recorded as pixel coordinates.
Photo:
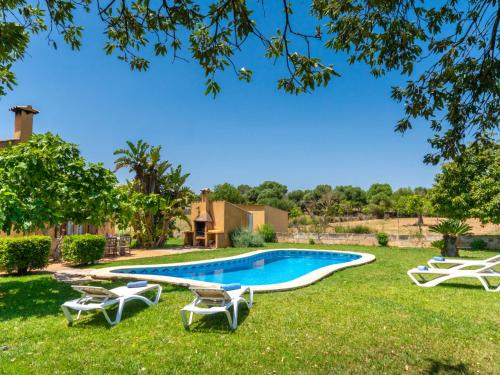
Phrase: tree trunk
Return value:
(450, 247)
(58, 237)
(420, 220)
(163, 234)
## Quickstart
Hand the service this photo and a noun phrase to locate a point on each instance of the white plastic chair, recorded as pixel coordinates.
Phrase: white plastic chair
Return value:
(438, 275)
(216, 300)
(97, 298)
(461, 263)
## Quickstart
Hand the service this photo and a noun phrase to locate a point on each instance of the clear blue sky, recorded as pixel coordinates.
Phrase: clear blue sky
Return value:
(250, 133)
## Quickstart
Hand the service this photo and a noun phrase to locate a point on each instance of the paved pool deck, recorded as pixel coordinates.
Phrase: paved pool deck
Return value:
(135, 254)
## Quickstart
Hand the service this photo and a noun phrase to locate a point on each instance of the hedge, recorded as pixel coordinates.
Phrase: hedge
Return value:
(23, 254)
(83, 248)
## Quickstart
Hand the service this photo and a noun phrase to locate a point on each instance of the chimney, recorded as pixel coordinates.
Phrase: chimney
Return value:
(204, 199)
(23, 122)
(203, 209)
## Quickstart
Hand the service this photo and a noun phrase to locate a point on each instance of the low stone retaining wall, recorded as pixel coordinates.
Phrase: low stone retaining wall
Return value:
(493, 241)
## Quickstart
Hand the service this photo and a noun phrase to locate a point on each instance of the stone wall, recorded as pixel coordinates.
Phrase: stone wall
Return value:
(493, 241)
(370, 239)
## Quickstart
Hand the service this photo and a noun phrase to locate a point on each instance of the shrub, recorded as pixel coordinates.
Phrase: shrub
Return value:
(383, 239)
(134, 244)
(83, 248)
(267, 232)
(311, 241)
(359, 229)
(23, 254)
(245, 238)
(439, 244)
(478, 244)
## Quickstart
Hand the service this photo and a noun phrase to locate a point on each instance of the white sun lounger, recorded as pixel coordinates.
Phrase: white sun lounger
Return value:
(435, 276)
(462, 263)
(216, 300)
(97, 298)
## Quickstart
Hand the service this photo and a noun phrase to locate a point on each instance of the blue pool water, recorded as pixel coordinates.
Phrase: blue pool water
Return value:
(270, 267)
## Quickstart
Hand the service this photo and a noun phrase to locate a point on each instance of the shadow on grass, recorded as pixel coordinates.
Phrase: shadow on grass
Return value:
(218, 322)
(39, 296)
(440, 367)
(26, 297)
(94, 319)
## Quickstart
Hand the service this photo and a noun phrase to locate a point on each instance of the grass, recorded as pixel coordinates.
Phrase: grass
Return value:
(363, 320)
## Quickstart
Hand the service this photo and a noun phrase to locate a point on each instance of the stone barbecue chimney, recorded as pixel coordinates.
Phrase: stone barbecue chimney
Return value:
(23, 122)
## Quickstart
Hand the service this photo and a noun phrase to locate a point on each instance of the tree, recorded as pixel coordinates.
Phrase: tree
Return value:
(297, 196)
(321, 205)
(453, 45)
(419, 205)
(227, 192)
(271, 189)
(282, 204)
(46, 182)
(400, 199)
(355, 196)
(270, 193)
(413, 202)
(450, 229)
(155, 198)
(470, 186)
(379, 198)
(244, 191)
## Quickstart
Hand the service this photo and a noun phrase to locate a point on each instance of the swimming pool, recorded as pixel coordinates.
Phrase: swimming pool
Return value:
(264, 270)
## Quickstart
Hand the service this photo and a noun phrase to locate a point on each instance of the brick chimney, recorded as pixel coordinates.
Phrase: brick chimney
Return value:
(204, 199)
(23, 122)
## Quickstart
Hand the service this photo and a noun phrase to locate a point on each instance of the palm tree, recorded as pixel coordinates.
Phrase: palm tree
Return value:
(157, 191)
(451, 229)
(135, 158)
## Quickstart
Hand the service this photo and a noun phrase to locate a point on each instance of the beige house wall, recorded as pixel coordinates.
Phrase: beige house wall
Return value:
(224, 217)
(234, 218)
(259, 218)
(277, 218)
(267, 215)
(217, 211)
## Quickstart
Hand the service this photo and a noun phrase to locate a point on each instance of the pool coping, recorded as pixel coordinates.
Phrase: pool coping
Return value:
(300, 282)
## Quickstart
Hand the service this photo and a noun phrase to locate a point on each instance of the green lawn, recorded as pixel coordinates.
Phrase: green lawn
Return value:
(363, 320)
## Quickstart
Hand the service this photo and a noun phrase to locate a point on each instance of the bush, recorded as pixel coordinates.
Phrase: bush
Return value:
(23, 254)
(439, 244)
(311, 241)
(83, 248)
(383, 239)
(245, 238)
(478, 244)
(134, 244)
(359, 229)
(267, 232)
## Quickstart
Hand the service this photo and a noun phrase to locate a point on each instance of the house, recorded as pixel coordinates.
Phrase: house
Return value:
(212, 221)
(23, 125)
(23, 130)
